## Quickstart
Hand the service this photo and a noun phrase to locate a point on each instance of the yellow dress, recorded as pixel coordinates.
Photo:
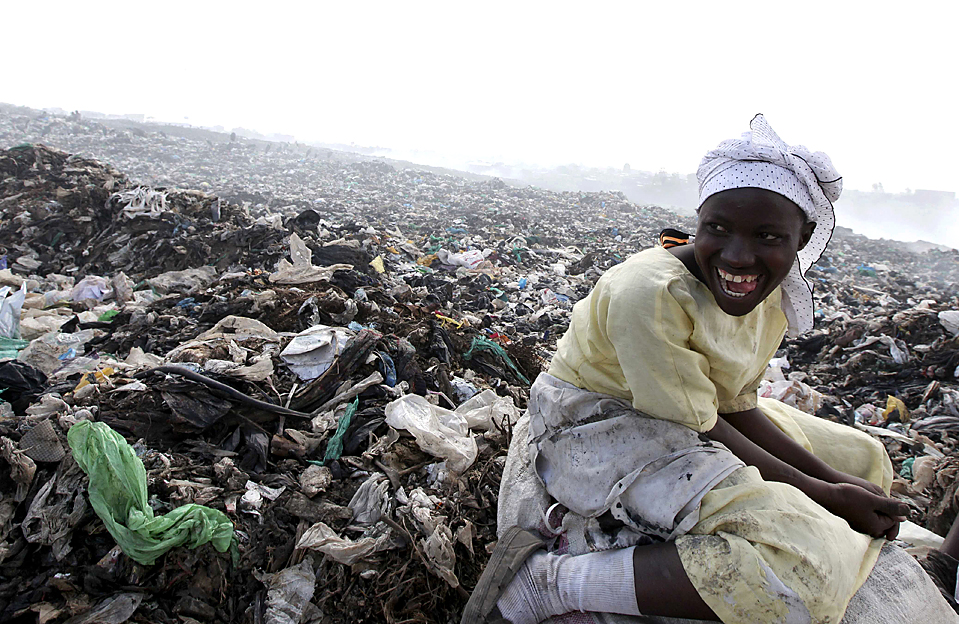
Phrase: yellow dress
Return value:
(651, 333)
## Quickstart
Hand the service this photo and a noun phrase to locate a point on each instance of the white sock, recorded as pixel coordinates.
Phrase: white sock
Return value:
(549, 585)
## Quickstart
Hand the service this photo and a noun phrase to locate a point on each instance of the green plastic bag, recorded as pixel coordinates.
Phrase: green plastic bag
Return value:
(482, 344)
(107, 316)
(334, 448)
(118, 493)
(10, 348)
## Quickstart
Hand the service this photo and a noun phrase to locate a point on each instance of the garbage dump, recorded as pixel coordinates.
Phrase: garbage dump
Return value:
(307, 368)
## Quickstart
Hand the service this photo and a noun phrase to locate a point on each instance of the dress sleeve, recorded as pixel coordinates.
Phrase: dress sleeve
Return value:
(650, 331)
(747, 399)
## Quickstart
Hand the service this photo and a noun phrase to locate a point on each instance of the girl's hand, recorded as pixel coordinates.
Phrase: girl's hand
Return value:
(869, 486)
(874, 515)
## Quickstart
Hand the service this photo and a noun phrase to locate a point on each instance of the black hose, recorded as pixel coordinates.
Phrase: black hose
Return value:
(233, 392)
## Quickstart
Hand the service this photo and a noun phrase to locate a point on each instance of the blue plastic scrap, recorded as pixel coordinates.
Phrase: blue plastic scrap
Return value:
(387, 368)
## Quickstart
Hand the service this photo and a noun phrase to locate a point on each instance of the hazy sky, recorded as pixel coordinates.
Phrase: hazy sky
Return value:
(654, 84)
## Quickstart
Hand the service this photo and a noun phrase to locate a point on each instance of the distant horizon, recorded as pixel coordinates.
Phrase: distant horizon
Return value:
(278, 137)
(876, 229)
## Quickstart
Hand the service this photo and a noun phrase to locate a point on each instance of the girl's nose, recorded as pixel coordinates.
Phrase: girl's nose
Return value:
(738, 253)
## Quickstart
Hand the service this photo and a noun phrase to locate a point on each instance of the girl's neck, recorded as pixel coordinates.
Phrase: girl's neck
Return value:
(687, 255)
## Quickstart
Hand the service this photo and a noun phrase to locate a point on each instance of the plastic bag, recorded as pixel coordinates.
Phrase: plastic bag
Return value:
(312, 352)
(487, 410)
(469, 259)
(950, 320)
(186, 281)
(440, 432)
(301, 270)
(118, 493)
(334, 448)
(290, 594)
(22, 384)
(53, 350)
(322, 538)
(10, 306)
(371, 500)
(90, 287)
(794, 393)
(896, 410)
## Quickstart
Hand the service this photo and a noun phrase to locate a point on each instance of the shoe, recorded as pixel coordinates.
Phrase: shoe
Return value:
(509, 555)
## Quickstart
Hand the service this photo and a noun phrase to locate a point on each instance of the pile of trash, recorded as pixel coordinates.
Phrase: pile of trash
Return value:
(216, 409)
(340, 391)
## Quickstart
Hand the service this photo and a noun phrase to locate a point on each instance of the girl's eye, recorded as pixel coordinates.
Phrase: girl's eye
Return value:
(766, 236)
(715, 227)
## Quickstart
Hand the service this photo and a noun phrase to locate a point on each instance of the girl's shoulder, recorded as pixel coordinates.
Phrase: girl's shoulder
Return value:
(654, 269)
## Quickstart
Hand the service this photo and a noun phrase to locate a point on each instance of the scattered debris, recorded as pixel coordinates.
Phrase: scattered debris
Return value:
(328, 355)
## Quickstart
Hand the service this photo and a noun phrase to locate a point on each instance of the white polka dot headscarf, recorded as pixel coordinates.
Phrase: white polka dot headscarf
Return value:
(760, 159)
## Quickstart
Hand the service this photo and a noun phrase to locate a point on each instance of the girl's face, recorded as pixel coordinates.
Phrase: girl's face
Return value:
(746, 243)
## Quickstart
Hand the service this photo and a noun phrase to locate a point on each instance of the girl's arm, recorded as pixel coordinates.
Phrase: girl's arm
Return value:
(764, 433)
(865, 511)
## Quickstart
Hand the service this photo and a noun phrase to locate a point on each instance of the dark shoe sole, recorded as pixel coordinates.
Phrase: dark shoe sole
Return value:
(509, 555)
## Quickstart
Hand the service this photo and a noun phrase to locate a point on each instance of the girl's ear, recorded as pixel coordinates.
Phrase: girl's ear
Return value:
(806, 233)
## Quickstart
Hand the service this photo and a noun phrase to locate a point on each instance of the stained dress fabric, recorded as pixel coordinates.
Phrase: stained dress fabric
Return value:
(651, 335)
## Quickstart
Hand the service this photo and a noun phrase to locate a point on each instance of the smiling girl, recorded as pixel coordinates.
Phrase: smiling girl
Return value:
(685, 494)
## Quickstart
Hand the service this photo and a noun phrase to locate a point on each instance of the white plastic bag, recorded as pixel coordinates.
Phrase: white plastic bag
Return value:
(10, 306)
(320, 537)
(301, 270)
(794, 393)
(440, 432)
(950, 320)
(487, 410)
(312, 352)
(90, 287)
(290, 593)
(371, 500)
(469, 259)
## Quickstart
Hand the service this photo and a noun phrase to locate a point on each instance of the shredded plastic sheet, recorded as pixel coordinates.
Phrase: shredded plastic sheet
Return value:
(118, 493)
(142, 201)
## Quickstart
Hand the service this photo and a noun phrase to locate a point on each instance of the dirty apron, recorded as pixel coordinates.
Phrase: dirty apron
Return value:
(756, 551)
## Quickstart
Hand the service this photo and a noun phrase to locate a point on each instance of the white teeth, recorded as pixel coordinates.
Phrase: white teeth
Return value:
(736, 278)
(726, 277)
